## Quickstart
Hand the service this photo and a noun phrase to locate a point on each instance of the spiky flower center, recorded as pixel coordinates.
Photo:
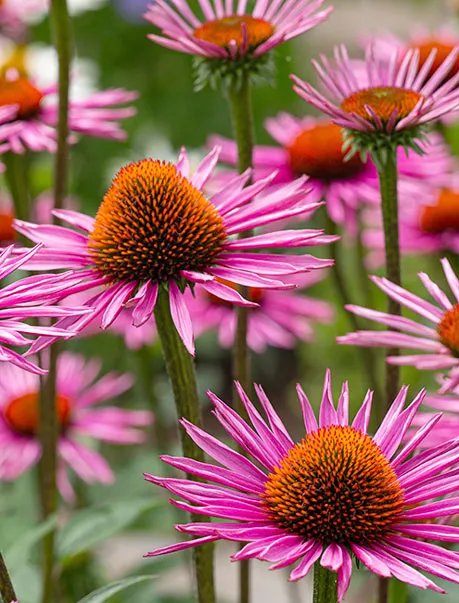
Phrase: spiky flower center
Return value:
(448, 330)
(22, 413)
(443, 50)
(318, 152)
(444, 215)
(384, 102)
(7, 232)
(22, 93)
(153, 223)
(335, 486)
(244, 30)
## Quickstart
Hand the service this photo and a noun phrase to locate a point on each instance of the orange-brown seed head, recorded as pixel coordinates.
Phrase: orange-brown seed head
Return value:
(318, 152)
(153, 223)
(22, 413)
(223, 31)
(335, 486)
(22, 93)
(444, 215)
(448, 330)
(384, 100)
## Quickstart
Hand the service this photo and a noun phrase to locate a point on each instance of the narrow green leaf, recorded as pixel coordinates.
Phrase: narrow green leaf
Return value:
(90, 526)
(103, 594)
(18, 553)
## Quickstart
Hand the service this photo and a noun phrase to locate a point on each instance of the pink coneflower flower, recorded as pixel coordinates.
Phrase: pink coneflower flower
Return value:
(383, 97)
(314, 147)
(280, 319)
(439, 344)
(156, 228)
(24, 299)
(227, 31)
(442, 40)
(77, 392)
(35, 108)
(424, 227)
(337, 492)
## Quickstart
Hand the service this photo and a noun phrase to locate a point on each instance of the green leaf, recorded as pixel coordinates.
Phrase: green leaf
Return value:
(89, 527)
(18, 553)
(103, 594)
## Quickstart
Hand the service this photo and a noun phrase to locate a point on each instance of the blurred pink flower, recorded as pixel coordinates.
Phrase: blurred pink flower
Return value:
(29, 114)
(78, 390)
(335, 494)
(314, 147)
(280, 319)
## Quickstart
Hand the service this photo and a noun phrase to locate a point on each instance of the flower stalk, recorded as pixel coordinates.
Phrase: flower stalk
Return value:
(180, 368)
(7, 593)
(240, 100)
(339, 282)
(16, 177)
(387, 172)
(48, 423)
(325, 585)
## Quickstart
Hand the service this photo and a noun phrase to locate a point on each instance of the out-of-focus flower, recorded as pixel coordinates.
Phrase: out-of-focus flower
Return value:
(314, 147)
(335, 494)
(16, 15)
(280, 319)
(29, 109)
(227, 31)
(25, 299)
(383, 97)
(430, 227)
(155, 228)
(78, 390)
(440, 345)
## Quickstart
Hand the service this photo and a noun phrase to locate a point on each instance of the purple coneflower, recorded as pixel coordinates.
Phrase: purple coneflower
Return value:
(78, 390)
(335, 494)
(383, 95)
(156, 228)
(439, 344)
(226, 31)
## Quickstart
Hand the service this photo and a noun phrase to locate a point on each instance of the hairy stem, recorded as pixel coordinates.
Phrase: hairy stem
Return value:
(325, 585)
(387, 172)
(7, 593)
(49, 428)
(240, 100)
(180, 367)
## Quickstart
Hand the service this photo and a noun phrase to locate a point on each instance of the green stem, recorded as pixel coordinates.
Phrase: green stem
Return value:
(7, 593)
(325, 585)
(16, 176)
(387, 172)
(147, 373)
(339, 281)
(361, 269)
(49, 426)
(398, 591)
(240, 99)
(180, 367)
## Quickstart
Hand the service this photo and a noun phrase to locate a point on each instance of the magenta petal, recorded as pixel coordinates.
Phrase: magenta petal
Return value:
(181, 317)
